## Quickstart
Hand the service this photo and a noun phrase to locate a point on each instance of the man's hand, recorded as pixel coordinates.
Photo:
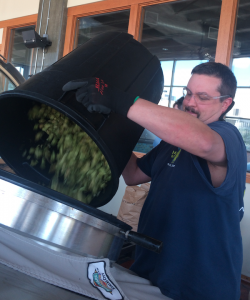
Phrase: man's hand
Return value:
(98, 96)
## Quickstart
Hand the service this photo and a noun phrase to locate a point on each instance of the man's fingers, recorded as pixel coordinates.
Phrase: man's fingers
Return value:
(75, 84)
(98, 108)
(81, 94)
(85, 101)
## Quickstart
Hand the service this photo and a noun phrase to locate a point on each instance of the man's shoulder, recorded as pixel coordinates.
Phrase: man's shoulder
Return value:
(234, 144)
(225, 127)
(222, 124)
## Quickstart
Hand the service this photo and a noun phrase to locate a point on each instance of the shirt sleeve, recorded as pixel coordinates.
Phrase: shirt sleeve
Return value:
(235, 151)
(234, 145)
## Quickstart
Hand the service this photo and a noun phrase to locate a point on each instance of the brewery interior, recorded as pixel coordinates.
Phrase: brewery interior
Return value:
(34, 34)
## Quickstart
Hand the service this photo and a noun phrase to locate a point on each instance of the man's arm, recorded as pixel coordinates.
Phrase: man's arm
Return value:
(132, 174)
(185, 131)
(179, 129)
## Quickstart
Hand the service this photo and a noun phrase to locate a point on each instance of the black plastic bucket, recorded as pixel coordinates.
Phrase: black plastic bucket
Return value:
(115, 57)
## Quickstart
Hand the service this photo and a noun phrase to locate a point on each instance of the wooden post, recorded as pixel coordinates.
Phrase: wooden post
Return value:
(5, 42)
(52, 18)
(134, 26)
(69, 36)
(227, 27)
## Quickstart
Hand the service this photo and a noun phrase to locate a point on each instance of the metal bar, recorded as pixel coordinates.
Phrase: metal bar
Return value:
(243, 87)
(237, 118)
(37, 49)
(171, 84)
(43, 58)
(47, 18)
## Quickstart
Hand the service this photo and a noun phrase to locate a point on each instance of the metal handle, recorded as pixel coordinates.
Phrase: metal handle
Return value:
(143, 241)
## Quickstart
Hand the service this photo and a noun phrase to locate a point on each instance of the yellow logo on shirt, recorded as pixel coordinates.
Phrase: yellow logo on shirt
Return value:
(174, 156)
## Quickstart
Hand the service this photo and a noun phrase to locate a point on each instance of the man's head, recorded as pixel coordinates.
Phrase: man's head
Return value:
(228, 81)
(210, 91)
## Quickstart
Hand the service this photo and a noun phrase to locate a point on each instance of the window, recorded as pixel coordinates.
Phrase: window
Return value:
(5, 83)
(19, 55)
(184, 30)
(89, 27)
(182, 35)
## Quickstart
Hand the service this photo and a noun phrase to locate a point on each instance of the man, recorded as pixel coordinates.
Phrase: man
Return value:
(178, 103)
(197, 176)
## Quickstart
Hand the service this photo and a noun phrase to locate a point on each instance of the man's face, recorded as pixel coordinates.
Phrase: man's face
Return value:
(207, 111)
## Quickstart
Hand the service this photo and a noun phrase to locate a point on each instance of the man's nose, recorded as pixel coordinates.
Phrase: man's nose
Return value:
(192, 100)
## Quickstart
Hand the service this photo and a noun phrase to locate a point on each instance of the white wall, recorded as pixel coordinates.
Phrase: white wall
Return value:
(80, 2)
(10, 9)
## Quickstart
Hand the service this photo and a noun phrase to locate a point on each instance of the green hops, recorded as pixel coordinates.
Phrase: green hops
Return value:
(79, 168)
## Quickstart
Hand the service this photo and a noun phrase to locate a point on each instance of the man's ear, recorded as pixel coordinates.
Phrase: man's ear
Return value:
(227, 104)
(229, 107)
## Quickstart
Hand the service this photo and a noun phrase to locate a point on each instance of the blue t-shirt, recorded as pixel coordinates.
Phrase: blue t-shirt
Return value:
(198, 224)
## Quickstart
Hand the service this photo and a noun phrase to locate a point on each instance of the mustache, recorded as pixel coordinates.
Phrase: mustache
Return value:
(192, 110)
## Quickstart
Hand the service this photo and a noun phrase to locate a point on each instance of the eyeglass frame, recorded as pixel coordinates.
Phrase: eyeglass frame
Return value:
(210, 97)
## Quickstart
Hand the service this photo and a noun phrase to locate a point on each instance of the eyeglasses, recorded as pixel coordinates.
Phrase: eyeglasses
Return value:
(199, 96)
